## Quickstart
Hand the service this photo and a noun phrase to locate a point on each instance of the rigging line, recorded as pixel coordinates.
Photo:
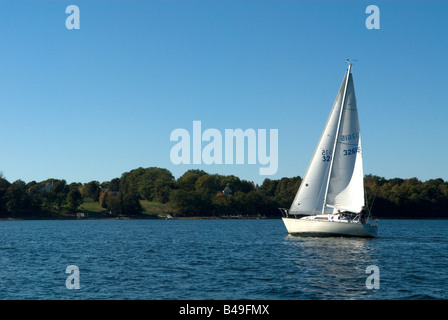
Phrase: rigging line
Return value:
(374, 197)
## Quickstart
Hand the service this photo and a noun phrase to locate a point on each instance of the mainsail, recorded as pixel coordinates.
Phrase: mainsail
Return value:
(334, 179)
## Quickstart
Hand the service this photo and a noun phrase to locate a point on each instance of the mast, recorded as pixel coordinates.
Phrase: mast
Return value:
(337, 136)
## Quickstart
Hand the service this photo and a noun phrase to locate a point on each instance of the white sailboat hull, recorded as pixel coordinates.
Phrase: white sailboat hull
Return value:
(310, 226)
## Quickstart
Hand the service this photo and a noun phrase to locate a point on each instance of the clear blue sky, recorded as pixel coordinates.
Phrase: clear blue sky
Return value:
(92, 103)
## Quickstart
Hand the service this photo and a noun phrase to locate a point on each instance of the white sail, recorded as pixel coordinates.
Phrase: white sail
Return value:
(346, 188)
(343, 189)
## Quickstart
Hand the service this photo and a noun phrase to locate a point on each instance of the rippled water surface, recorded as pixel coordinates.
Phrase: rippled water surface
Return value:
(219, 259)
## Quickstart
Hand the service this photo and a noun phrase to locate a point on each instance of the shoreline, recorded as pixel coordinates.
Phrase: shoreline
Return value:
(143, 217)
(155, 217)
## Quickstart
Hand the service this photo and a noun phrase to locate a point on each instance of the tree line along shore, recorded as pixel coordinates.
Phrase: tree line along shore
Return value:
(155, 193)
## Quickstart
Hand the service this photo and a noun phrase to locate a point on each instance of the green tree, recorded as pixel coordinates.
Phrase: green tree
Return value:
(112, 202)
(129, 181)
(236, 184)
(74, 198)
(155, 184)
(190, 203)
(269, 187)
(58, 193)
(286, 190)
(260, 203)
(118, 203)
(188, 180)
(18, 200)
(208, 184)
(4, 184)
(131, 204)
(162, 189)
(91, 190)
(112, 185)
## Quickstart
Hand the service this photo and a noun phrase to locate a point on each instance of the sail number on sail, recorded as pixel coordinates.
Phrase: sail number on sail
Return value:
(348, 137)
(326, 154)
(349, 152)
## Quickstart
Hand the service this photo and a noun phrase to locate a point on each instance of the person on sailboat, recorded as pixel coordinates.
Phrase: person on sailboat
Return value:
(362, 215)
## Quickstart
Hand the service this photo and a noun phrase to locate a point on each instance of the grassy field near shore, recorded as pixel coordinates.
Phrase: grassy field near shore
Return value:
(149, 208)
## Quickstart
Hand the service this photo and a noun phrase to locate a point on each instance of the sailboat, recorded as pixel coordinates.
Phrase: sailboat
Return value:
(330, 200)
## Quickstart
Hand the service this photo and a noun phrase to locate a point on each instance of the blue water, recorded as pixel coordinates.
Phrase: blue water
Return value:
(219, 259)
